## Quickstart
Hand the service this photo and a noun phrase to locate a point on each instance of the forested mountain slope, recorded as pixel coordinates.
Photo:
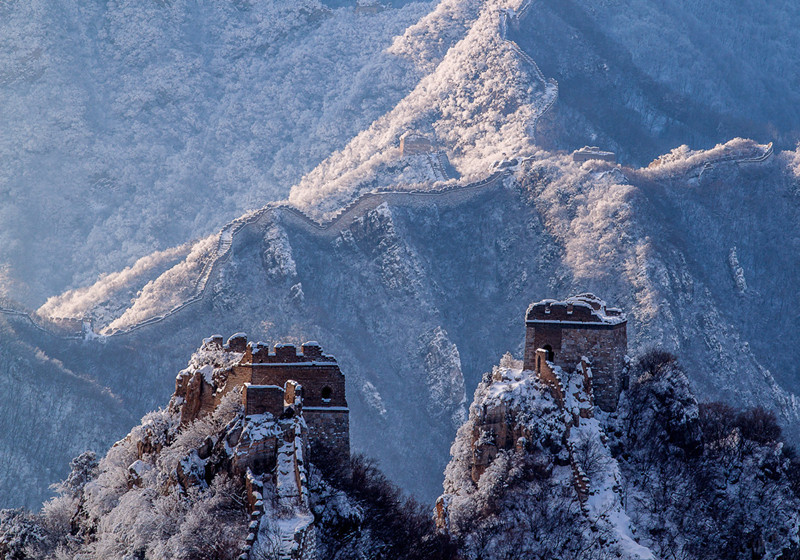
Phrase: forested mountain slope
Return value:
(136, 129)
(132, 127)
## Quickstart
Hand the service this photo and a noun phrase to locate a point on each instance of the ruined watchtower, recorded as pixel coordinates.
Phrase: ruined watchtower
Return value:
(581, 326)
(272, 380)
(324, 405)
(413, 143)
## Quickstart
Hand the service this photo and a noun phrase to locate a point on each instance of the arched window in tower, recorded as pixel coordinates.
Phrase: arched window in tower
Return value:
(550, 354)
(327, 393)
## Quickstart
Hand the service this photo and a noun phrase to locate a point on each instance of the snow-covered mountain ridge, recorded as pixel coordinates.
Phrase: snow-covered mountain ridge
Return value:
(539, 475)
(403, 289)
(132, 127)
(537, 471)
(702, 256)
(155, 301)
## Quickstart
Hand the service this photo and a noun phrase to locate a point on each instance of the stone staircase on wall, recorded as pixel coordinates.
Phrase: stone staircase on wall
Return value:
(286, 531)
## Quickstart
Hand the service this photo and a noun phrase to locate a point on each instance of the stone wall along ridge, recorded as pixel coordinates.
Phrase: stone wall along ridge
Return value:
(451, 194)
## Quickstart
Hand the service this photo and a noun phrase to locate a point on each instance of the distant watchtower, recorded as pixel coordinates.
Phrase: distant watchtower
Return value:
(588, 153)
(369, 7)
(580, 326)
(412, 143)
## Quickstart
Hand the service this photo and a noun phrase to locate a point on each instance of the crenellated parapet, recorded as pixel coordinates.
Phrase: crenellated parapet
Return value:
(273, 380)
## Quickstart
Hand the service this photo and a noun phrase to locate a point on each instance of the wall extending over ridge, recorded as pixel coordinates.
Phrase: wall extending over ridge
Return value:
(329, 227)
(226, 236)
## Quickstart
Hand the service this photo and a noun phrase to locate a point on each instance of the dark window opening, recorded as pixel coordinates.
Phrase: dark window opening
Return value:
(327, 392)
(550, 354)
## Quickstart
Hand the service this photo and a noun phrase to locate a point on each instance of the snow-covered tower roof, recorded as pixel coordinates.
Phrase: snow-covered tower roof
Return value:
(583, 308)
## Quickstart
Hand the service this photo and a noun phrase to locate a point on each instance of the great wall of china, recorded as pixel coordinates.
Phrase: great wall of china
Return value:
(280, 211)
(550, 85)
(340, 220)
(344, 217)
(367, 201)
(451, 194)
(736, 159)
(331, 227)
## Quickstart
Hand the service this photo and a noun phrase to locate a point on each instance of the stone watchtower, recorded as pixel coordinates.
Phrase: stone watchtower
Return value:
(581, 326)
(270, 377)
(272, 380)
(412, 143)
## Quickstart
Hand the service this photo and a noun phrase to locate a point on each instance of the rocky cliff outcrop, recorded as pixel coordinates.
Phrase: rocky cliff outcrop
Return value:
(538, 472)
(405, 271)
(517, 464)
(202, 478)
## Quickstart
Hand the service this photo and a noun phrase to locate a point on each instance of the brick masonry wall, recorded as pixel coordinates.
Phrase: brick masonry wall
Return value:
(539, 336)
(581, 157)
(233, 379)
(563, 312)
(415, 145)
(607, 350)
(329, 429)
(259, 456)
(263, 376)
(548, 376)
(313, 379)
(258, 399)
(606, 345)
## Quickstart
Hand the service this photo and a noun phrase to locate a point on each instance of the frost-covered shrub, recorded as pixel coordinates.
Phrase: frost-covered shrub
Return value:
(103, 493)
(716, 420)
(83, 469)
(653, 360)
(759, 425)
(704, 481)
(214, 526)
(371, 516)
(130, 503)
(59, 515)
(590, 455)
(660, 407)
(20, 534)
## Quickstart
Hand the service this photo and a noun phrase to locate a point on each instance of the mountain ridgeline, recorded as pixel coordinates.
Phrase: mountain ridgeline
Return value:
(419, 292)
(161, 121)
